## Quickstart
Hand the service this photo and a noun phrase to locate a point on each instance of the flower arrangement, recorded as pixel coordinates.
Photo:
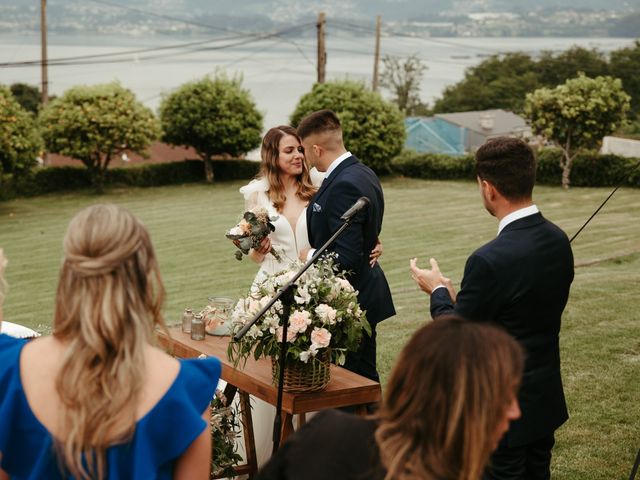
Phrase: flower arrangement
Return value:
(225, 430)
(325, 318)
(254, 226)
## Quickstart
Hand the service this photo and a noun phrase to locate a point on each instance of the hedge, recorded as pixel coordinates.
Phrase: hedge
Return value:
(54, 179)
(589, 169)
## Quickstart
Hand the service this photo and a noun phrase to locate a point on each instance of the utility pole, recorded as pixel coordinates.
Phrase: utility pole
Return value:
(43, 35)
(376, 56)
(45, 66)
(322, 52)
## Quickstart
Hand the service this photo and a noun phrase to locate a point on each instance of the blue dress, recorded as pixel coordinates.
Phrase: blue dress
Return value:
(160, 437)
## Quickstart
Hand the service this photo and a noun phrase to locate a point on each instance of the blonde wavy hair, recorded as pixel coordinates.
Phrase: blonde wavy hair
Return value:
(445, 399)
(269, 169)
(107, 306)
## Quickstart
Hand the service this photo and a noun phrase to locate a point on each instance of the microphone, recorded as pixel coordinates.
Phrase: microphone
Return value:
(361, 204)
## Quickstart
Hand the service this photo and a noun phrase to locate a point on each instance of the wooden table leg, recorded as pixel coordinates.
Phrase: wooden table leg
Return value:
(249, 439)
(361, 410)
(302, 419)
(287, 427)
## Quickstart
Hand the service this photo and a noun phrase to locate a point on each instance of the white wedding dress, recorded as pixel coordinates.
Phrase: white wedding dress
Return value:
(288, 242)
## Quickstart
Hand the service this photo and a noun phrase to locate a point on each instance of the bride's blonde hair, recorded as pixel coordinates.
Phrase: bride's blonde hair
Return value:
(107, 306)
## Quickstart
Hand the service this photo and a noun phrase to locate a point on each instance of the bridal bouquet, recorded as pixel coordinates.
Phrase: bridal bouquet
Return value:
(254, 226)
(325, 318)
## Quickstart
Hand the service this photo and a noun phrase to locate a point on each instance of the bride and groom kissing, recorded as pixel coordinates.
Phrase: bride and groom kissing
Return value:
(309, 204)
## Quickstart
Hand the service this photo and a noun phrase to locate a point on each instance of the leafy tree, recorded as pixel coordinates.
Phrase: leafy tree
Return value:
(577, 114)
(20, 142)
(556, 69)
(214, 116)
(497, 82)
(373, 128)
(625, 65)
(402, 78)
(95, 124)
(28, 96)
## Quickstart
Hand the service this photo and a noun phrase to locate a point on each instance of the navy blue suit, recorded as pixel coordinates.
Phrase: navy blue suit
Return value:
(520, 280)
(339, 191)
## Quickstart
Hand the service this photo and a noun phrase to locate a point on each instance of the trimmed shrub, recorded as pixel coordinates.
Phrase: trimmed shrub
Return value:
(54, 179)
(590, 169)
(434, 166)
(373, 128)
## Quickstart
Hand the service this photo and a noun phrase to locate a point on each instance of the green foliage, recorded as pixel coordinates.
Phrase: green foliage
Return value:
(434, 166)
(28, 96)
(56, 179)
(625, 65)
(373, 128)
(214, 116)
(94, 124)
(20, 142)
(502, 81)
(497, 82)
(577, 114)
(589, 169)
(402, 79)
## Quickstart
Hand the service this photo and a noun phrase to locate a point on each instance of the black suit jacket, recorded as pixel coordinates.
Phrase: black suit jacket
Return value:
(520, 280)
(339, 191)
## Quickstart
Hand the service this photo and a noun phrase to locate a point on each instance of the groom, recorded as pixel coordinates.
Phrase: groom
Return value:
(346, 180)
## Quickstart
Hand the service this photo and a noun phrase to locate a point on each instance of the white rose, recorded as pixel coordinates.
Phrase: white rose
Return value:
(326, 313)
(320, 337)
(299, 321)
(303, 296)
(344, 284)
(305, 356)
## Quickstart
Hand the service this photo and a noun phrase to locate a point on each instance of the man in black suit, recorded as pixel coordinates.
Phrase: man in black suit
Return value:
(346, 180)
(519, 280)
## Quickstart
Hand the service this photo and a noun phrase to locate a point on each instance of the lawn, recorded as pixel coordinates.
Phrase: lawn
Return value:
(600, 338)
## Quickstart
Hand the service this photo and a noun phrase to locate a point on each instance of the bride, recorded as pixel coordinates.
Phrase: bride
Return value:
(284, 187)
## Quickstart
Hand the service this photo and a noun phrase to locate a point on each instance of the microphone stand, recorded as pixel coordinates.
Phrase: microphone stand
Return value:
(286, 295)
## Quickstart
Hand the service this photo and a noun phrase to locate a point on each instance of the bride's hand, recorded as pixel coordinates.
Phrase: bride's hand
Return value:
(375, 254)
(265, 246)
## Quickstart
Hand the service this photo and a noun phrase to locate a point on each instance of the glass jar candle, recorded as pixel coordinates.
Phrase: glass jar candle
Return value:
(197, 327)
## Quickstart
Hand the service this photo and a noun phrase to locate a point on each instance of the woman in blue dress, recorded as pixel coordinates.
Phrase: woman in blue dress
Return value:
(97, 399)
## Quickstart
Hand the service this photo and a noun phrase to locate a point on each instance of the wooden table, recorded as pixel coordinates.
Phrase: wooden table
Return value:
(254, 378)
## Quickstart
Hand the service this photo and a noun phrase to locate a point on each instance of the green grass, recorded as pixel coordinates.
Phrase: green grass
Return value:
(600, 338)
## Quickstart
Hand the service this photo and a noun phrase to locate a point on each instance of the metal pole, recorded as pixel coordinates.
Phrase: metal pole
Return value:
(43, 35)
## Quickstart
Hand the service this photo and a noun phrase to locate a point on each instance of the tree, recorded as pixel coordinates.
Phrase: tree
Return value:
(577, 114)
(556, 69)
(28, 96)
(402, 79)
(625, 65)
(95, 124)
(20, 142)
(497, 82)
(373, 128)
(214, 116)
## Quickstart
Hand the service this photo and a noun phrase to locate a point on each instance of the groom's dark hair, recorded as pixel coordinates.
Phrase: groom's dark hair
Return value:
(321, 121)
(509, 165)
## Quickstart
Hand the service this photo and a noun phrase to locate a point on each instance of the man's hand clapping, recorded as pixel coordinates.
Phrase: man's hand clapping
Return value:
(428, 280)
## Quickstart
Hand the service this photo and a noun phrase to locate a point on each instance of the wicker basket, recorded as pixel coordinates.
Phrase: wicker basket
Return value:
(300, 377)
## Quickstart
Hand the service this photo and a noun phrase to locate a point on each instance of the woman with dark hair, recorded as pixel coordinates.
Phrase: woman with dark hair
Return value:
(449, 400)
(284, 187)
(97, 399)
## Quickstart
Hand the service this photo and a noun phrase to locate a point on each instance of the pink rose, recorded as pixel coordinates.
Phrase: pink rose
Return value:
(291, 336)
(320, 337)
(299, 321)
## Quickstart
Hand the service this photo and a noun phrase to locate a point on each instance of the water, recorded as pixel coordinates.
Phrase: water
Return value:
(274, 70)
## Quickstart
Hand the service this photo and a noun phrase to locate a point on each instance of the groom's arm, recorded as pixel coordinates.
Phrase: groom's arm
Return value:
(350, 245)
